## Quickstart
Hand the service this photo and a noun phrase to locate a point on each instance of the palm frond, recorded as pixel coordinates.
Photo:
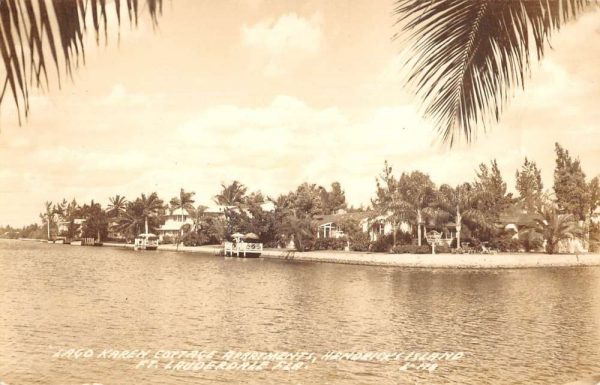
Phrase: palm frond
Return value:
(467, 56)
(30, 30)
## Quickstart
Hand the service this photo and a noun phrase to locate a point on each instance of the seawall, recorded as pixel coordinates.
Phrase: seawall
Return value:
(467, 261)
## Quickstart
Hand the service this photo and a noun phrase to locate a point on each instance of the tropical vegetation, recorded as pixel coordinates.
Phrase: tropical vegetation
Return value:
(405, 208)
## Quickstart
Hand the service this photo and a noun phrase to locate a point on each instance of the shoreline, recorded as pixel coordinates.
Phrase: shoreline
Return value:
(438, 261)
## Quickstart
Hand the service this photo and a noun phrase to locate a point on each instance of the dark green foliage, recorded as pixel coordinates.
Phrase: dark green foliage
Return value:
(531, 241)
(214, 228)
(441, 249)
(360, 242)
(33, 231)
(414, 249)
(146, 208)
(333, 200)
(529, 185)
(554, 227)
(96, 221)
(194, 238)
(252, 219)
(383, 243)
(167, 240)
(491, 190)
(595, 238)
(506, 243)
(406, 199)
(330, 244)
(231, 195)
(570, 186)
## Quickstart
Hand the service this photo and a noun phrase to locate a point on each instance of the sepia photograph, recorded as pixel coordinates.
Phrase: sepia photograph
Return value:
(306, 192)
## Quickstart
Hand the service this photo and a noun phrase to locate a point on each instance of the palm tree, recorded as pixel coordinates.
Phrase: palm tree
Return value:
(300, 229)
(132, 220)
(117, 206)
(467, 56)
(184, 201)
(71, 213)
(33, 35)
(48, 216)
(460, 204)
(151, 207)
(231, 195)
(139, 214)
(417, 195)
(555, 227)
(198, 216)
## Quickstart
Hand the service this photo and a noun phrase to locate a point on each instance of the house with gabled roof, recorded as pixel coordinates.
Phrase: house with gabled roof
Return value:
(329, 226)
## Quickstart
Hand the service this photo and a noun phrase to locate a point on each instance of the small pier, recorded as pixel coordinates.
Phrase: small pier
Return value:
(242, 249)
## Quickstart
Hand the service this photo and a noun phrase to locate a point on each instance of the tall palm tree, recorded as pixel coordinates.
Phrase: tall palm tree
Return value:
(34, 33)
(184, 201)
(139, 213)
(48, 216)
(152, 206)
(231, 195)
(116, 206)
(467, 56)
(460, 204)
(198, 217)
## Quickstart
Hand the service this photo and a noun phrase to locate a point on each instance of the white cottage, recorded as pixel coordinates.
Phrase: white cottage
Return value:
(370, 223)
(173, 223)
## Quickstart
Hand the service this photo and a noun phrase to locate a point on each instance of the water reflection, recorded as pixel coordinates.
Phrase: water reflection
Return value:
(535, 326)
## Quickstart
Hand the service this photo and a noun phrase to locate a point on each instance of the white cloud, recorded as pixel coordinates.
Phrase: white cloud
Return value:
(286, 42)
(278, 146)
(119, 94)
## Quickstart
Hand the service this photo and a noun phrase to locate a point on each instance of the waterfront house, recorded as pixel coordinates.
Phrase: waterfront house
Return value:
(76, 228)
(329, 226)
(516, 217)
(173, 222)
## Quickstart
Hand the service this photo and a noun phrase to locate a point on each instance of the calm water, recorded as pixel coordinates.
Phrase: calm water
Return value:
(534, 326)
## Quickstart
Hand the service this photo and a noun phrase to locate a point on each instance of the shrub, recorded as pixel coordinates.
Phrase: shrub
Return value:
(167, 240)
(330, 244)
(506, 244)
(360, 242)
(443, 249)
(383, 244)
(531, 241)
(194, 239)
(413, 249)
(403, 238)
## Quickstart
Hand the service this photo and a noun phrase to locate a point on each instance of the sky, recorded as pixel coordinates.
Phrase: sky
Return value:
(273, 94)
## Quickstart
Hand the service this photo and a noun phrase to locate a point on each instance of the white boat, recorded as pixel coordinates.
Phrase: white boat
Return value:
(146, 241)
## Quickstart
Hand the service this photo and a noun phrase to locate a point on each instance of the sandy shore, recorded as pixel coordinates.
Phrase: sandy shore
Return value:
(468, 261)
